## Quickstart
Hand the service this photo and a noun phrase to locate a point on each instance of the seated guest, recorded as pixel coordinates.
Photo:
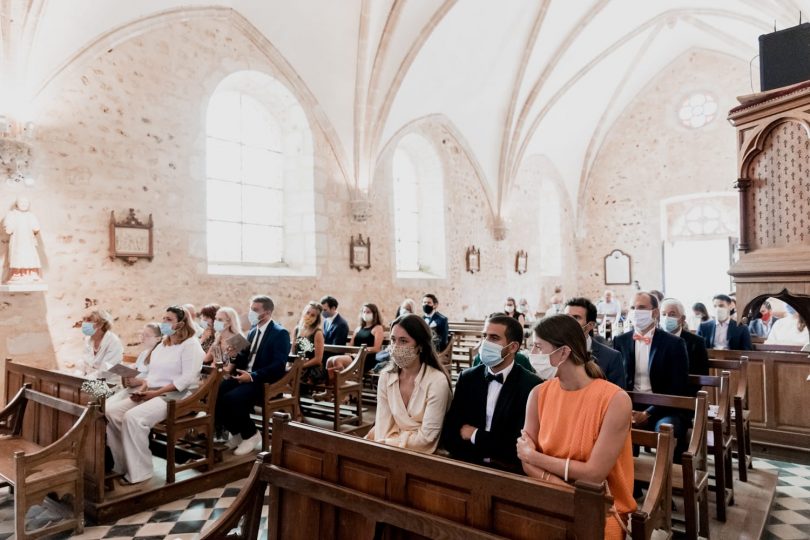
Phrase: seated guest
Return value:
(150, 338)
(699, 315)
(724, 332)
(762, 324)
(335, 327)
(510, 308)
(673, 320)
(193, 311)
(525, 310)
(609, 360)
(226, 325)
(407, 306)
(207, 316)
(609, 306)
(102, 348)
(370, 333)
(489, 403)
(656, 362)
(174, 368)
(555, 302)
(578, 424)
(263, 362)
(658, 295)
(790, 330)
(413, 392)
(308, 340)
(437, 322)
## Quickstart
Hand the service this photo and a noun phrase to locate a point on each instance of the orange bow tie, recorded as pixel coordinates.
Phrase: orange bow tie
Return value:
(639, 337)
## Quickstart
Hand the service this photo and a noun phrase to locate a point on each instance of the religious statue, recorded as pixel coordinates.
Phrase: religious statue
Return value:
(22, 227)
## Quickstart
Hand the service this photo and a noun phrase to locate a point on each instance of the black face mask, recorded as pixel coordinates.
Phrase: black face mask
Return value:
(427, 309)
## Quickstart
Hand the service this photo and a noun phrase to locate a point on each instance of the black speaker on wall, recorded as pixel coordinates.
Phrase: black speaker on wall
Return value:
(784, 57)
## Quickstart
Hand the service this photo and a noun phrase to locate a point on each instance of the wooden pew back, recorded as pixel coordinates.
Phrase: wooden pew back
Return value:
(656, 510)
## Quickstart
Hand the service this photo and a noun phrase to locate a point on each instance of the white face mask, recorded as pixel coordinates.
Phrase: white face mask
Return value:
(508, 308)
(641, 318)
(721, 314)
(368, 317)
(541, 362)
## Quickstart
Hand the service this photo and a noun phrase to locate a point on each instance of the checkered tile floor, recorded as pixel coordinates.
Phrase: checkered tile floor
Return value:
(184, 519)
(790, 513)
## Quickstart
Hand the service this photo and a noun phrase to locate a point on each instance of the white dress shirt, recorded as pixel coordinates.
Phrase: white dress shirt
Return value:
(493, 391)
(179, 365)
(786, 332)
(641, 379)
(611, 309)
(721, 334)
(110, 352)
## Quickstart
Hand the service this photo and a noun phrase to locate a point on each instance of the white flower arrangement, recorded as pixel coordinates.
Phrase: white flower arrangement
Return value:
(304, 345)
(97, 388)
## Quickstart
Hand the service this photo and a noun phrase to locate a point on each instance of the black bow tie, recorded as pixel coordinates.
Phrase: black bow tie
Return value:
(493, 377)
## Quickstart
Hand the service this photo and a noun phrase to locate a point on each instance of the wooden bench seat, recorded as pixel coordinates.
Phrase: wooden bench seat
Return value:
(740, 414)
(331, 485)
(655, 512)
(348, 384)
(37, 472)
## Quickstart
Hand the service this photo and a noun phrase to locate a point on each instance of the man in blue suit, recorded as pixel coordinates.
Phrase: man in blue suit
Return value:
(436, 321)
(657, 362)
(609, 360)
(335, 327)
(724, 332)
(264, 361)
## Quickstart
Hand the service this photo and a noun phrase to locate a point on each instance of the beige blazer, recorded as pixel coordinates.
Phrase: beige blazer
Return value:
(417, 426)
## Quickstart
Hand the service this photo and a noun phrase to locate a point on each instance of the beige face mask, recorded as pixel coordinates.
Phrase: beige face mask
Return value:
(404, 355)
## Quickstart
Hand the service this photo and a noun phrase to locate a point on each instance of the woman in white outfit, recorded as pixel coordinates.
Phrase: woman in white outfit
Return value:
(174, 368)
(102, 348)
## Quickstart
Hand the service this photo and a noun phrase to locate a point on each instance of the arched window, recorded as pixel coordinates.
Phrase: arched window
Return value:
(549, 217)
(418, 208)
(259, 179)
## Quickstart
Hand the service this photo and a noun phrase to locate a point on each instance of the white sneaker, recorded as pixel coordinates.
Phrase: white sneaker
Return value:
(248, 445)
(234, 441)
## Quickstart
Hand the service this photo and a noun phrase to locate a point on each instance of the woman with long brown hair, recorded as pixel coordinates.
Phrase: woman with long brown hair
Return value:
(577, 423)
(413, 393)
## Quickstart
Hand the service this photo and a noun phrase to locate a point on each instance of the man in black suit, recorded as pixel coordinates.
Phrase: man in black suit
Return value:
(264, 361)
(489, 404)
(724, 332)
(335, 327)
(657, 362)
(436, 321)
(673, 320)
(609, 360)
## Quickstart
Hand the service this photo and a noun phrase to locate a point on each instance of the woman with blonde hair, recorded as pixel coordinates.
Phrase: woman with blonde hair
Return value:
(226, 325)
(308, 341)
(577, 423)
(102, 348)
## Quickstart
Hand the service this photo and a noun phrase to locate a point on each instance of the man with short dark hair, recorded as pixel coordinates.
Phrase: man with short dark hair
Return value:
(489, 404)
(609, 360)
(264, 361)
(335, 327)
(436, 321)
(723, 332)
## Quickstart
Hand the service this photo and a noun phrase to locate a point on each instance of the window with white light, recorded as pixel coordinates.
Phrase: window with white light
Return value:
(549, 220)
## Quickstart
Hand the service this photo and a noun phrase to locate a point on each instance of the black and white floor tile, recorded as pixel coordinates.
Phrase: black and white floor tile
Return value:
(185, 519)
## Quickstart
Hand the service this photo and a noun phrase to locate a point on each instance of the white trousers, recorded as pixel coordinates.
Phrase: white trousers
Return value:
(128, 426)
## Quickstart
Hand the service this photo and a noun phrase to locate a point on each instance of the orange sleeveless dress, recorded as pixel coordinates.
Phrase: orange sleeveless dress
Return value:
(569, 426)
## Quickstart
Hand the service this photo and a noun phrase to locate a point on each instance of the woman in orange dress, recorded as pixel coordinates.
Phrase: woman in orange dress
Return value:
(578, 424)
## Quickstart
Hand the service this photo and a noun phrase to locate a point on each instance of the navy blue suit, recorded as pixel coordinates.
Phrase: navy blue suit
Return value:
(440, 329)
(236, 400)
(336, 331)
(739, 338)
(669, 374)
(611, 363)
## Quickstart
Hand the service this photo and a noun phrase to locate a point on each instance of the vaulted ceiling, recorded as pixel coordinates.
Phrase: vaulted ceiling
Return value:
(511, 78)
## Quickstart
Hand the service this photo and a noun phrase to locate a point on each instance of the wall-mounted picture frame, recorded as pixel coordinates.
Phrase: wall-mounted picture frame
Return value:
(360, 253)
(521, 262)
(473, 259)
(617, 268)
(130, 238)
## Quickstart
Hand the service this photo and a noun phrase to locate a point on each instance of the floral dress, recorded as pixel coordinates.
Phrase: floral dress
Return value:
(306, 345)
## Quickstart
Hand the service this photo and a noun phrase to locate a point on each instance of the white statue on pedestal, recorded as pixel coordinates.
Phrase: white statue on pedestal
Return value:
(22, 227)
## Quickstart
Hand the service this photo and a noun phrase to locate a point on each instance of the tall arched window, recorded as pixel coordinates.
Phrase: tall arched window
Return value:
(549, 221)
(418, 208)
(259, 179)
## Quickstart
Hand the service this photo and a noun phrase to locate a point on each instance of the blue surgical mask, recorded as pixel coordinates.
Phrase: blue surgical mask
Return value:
(219, 326)
(202, 323)
(88, 329)
(670, 324)
(253, 318)
(490, 354)
(166, 329)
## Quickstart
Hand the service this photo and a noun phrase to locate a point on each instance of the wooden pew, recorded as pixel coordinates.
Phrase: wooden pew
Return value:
(719, 439)
(282, 395)
(348, 384)
(739, 412)
(656, 510)
(34, 472)
(690, 476)
(331, 485)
